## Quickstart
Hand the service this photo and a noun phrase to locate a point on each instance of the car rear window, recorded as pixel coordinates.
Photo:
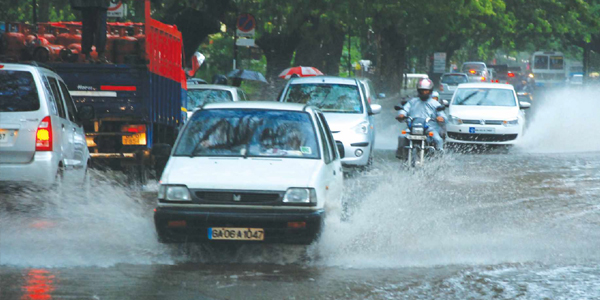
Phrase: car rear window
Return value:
(476, 67)
(454, 79)
(18, 92)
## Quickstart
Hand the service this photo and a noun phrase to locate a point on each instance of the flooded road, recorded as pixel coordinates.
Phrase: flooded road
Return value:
(522, 223)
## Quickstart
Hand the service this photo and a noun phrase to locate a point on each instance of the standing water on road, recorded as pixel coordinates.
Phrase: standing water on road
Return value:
(521, 224)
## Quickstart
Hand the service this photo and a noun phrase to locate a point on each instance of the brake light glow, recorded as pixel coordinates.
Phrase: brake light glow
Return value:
(511, 75)
(43, 136)
(482, 78)
(441, 88)
(133, 128)
(369, 99)
(472, 71)
(1, 66)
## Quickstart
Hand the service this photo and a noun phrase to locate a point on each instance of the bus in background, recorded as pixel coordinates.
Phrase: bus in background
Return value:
(548, 68)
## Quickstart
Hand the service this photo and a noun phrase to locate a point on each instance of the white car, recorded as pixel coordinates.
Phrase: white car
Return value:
(249, 171)
(485, 113)
(347, 111)
(200, 94)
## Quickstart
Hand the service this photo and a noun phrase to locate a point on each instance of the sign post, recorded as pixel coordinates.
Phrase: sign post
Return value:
(439, 62)
(244, 34)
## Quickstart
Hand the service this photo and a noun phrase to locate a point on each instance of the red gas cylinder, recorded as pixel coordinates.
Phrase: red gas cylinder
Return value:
(13, 41)
(45, 31)
(111, 37)
(138, 29)
(125, 45)
(71, 37)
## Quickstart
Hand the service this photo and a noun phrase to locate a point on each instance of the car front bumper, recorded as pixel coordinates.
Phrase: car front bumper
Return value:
(348, 144)
(191, 224)
(40, 171)
(500, 135)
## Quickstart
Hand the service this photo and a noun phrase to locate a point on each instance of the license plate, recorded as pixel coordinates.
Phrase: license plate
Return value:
(3, 136)
(135, 139)
(417, 137)
(238, 234)
(482, 130)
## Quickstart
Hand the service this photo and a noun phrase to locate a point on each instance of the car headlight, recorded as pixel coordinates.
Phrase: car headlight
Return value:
(174, 193)
(362, 127)
(300, 195)
(455, 120)
(511, 122)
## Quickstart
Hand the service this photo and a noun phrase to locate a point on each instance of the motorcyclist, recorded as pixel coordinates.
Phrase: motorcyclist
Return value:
(422, 106)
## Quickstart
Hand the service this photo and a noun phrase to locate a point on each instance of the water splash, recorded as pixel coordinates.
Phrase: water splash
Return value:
(101, 225)
(566, 120)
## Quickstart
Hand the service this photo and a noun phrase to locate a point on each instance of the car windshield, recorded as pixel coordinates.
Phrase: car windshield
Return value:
(249, 133)
(199, 97)
(484, 97)
(336, 98)
(454, 79)
(18, 92)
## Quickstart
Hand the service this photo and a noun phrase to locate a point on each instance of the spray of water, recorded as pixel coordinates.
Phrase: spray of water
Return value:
(566, 120)
(101, 224)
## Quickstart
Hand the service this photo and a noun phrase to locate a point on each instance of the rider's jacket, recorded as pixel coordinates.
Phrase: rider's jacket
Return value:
(417, 108)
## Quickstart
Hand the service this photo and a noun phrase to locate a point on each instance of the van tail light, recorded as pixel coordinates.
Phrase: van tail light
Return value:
(441, 87)
(43, 136)
(133, 128)
(482, 78)
(369, 99)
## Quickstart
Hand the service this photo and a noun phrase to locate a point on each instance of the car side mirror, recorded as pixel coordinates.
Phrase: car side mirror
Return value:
(381, 95)
(375, 109)
(441, 108)
(397, 107)
(524, 105)
(85, 112)
(161, 150)
(404, 101)
(445, 102)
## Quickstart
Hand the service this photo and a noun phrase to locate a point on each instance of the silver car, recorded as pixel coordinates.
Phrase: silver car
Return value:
(449, 82)
(346, 110)
(41, 136)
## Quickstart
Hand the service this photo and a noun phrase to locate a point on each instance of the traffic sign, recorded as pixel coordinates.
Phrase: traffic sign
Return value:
(246, 23)
(439, 62)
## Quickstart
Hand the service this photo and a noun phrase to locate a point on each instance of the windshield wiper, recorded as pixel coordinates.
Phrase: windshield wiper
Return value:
(467, 98)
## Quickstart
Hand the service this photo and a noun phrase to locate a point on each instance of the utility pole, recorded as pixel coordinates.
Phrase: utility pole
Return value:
(349, 55)
(34, 7)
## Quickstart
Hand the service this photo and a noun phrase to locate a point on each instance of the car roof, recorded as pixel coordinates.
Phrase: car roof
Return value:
(474, 62)
(486, 85)
(211, 87)
(20, 67)
(457, 73)
(324, 79)
(269, 105)
(416, 75)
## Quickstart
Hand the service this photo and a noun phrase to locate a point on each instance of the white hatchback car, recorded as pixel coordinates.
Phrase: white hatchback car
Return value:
(249, 171)
(485, 113)
(200, 94)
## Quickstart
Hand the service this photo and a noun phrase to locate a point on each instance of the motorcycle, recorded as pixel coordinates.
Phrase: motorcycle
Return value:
(420, 142)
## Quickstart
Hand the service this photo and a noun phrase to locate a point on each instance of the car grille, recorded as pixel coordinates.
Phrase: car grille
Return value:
(482, 137)
(238, 197)
(341, 149)
(487, 122)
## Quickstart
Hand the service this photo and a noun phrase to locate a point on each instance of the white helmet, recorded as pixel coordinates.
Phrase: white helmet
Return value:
(435, 94)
